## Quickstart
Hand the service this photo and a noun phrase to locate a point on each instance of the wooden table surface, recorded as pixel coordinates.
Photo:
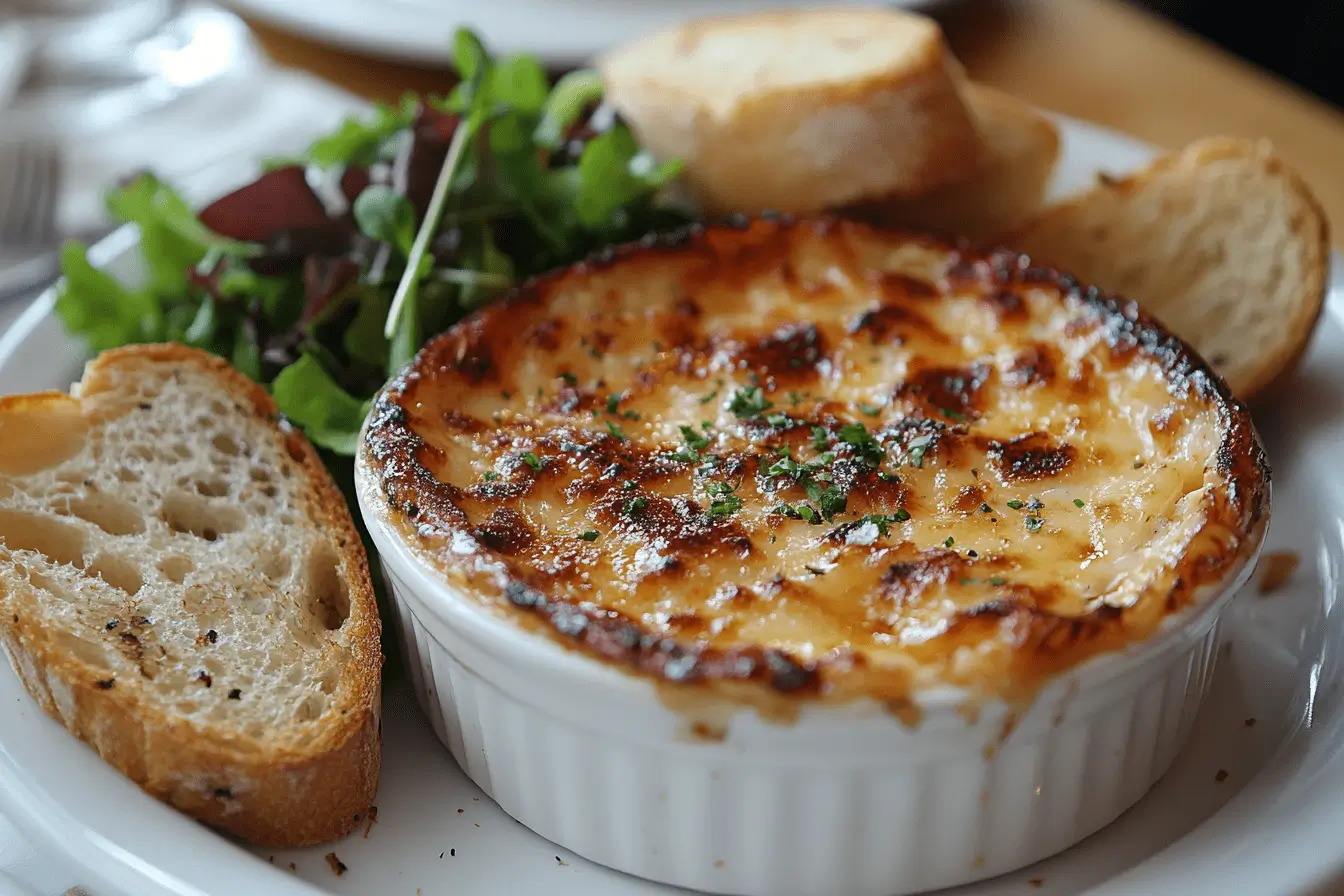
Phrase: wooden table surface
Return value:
(1094, 59)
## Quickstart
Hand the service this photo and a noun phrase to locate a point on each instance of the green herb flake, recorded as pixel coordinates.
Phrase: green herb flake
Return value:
(569, 378)
(636, 505)
(710, 397)
(870, 410)
(1078, 502)
(778, 420)
(613, 403)
(917, 448)
(996, 581)
(821, 438)
(694, 440)
(749, 402)
(616, 432)
(795, 399)
(1017, 505)
(532, 460)
(490, 476)
(1034, 523)
(950, 541)
(901, 515)
(589, 535)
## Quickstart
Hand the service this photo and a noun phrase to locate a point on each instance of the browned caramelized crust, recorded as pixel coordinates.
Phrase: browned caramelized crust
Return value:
(820, 458)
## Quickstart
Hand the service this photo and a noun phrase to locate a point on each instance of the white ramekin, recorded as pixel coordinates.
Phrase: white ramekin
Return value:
(844, 800)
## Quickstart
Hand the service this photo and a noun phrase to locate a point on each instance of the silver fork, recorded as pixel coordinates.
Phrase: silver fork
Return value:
(30, 182)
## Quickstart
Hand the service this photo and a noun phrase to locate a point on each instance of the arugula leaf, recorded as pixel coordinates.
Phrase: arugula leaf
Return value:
(360, 141)
(330, 416)
(95, 306)
(613, 173)
(519, 82)
(387, 216)
(573, 93)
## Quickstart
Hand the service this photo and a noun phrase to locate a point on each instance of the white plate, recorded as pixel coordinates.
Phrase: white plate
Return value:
(559, 31)
(1271, 826)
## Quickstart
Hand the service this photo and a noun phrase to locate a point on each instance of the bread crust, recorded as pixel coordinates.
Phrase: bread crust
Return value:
(1311, 229)
(278, 797)
(1009, 187)
(898, 130)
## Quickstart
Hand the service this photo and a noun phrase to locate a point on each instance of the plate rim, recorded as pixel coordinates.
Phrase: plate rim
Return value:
(47, 821)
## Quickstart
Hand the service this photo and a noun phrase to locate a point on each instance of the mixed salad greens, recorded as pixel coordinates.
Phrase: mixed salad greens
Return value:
(326, 274)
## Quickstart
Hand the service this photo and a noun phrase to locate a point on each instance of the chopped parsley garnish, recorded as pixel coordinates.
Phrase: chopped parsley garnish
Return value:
(569, 378)
(490, 476)
(950, 541)
(749, 402)
(821, 438)
(1034, 523)
(870, 410)
(883, 521)
(635, 506)
(616, 431)
(797, 512)
(951, 414)
(631, 415)
(589, 535)
(694, 440)
(887, 477)
(1078, 502)
(901, 515)
(795, 399)
(710, 397)
(858, 436)
(532, 460)
(997, 581)
(778, 420)
(1016, 505)
(917, 448)
(613, 403)
(722, 501)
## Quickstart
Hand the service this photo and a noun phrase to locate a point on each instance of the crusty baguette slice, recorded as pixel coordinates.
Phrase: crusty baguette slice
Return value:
(1021, 148)
(182, 587)
(799, 110)
(1222, 241)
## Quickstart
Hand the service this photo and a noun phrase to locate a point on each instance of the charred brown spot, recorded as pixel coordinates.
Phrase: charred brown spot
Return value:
(904, 581)
(1031, 456)
(895, 324)
(969, 499)
(898, 287)
(465, 423)
(1033, 366)
(545, 334)
(506, 530)
(1008, 305)
(790, 349)
(952, 392)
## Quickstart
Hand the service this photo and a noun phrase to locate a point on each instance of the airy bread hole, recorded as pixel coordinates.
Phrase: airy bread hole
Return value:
(143, 452)
(184, 512)
(176, 567)
(60, 543)
(212, 488)
(126, 474)
(227, 445)
(113, 515)
(328, 594)
(118, 572)
(327, 680)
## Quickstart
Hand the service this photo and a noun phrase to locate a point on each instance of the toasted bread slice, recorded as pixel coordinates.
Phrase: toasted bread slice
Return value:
(1022, 146)
(1222, 241)
(183, 588)
(799, 110)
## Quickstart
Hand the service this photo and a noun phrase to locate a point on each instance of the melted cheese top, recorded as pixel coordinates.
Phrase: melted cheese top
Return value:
(823, 459)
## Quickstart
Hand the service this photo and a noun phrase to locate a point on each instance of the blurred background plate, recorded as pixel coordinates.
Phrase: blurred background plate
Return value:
(559, 32)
